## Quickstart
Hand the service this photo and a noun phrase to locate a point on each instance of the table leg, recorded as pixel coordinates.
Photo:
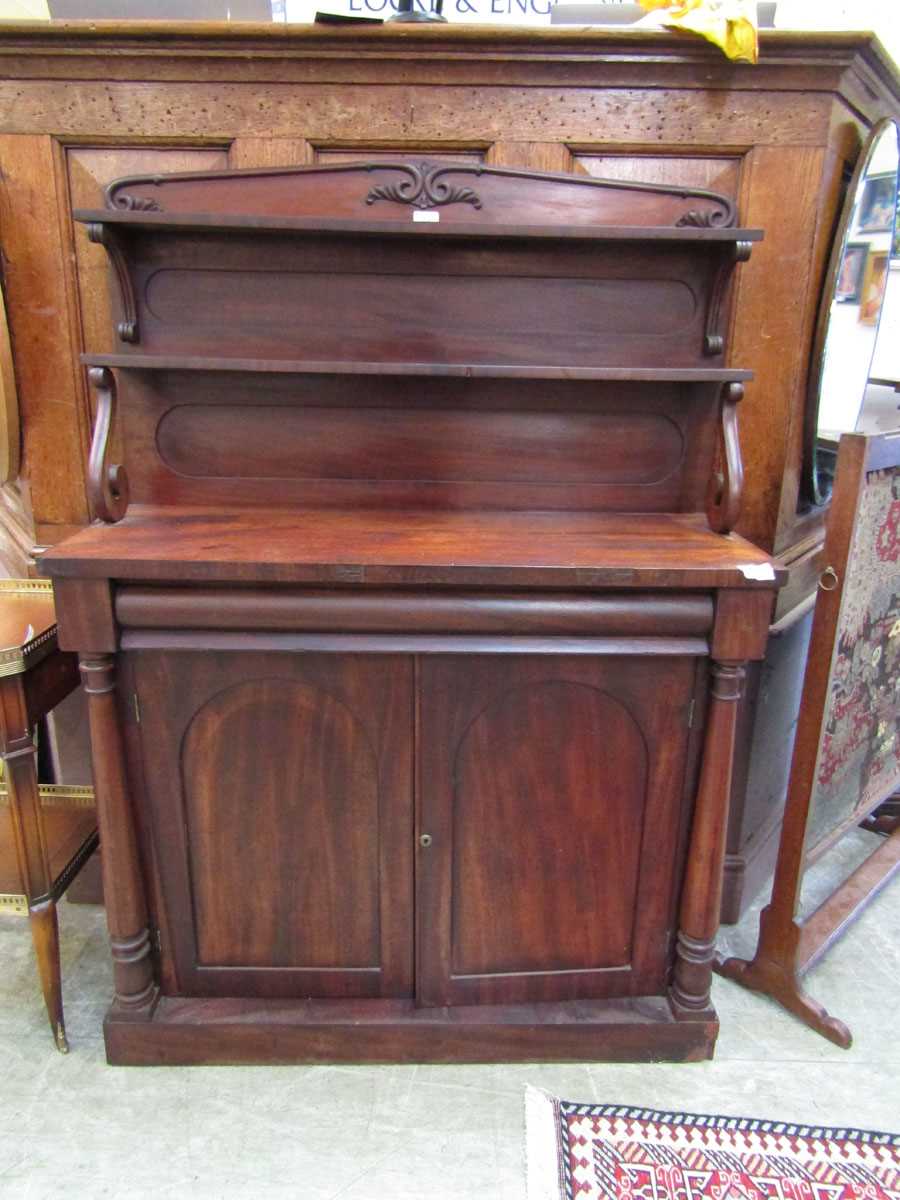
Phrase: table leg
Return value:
(19, 756)
(45, 935)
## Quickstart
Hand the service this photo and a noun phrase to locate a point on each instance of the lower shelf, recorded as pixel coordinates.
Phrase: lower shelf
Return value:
(187, 1032)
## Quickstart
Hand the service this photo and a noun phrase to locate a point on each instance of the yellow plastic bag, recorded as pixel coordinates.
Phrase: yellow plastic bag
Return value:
(728, 24)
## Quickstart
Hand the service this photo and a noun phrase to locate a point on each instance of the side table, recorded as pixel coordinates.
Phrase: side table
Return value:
(52, 830)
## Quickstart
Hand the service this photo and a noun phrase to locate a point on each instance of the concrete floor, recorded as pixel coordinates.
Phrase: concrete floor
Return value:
(70, 1126)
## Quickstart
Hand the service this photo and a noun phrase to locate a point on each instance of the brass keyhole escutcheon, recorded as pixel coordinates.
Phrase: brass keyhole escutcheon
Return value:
(425, 840)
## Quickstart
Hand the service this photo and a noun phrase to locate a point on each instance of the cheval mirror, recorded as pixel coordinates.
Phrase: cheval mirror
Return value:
(862, 280)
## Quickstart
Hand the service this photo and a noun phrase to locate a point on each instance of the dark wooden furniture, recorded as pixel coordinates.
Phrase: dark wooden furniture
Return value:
(48, 832)
(87, 102)
(414, 636)
(846, 761)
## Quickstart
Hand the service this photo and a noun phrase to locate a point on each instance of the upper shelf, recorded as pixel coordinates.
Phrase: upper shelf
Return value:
(184, 362)
(411, 227)
(530, 275)
(412, 196)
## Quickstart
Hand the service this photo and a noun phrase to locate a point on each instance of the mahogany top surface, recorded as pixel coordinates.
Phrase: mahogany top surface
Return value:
(27, 624)
(470, 548)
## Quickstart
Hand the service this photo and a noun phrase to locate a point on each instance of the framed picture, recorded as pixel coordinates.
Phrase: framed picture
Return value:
(848, 288)
(873, 285)
(879, 200)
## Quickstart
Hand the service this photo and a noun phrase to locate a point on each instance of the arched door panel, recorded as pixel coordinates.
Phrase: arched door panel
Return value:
(552, 795)
(280, 798)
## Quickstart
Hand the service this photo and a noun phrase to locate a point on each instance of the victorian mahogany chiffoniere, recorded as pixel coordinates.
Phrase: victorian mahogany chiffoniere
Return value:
(413, 639)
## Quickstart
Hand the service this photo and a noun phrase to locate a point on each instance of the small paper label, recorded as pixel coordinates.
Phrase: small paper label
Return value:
(757, 570)
(427, 215)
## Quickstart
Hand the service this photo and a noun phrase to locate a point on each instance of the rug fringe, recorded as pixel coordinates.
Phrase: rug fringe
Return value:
(541, 1145)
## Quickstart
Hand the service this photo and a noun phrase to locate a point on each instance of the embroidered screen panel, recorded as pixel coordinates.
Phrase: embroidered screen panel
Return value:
(858, 763)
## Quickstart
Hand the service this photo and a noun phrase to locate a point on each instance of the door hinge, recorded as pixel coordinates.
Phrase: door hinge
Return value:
(690, 714)
(136, 704)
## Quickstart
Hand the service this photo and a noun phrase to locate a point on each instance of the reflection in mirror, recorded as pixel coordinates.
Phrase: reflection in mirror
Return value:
(847, 392)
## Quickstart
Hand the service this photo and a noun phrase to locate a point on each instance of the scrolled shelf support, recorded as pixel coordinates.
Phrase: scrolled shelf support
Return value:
(713, 338)
(102, 235)
(107, 482)
(726, 487)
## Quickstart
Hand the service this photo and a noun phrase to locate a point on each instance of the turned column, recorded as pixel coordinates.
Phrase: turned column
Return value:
(701, 896)
(126, 906)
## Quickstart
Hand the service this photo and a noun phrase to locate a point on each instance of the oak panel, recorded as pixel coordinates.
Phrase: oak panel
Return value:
(324, 112)
(37, 299)
(433, 152)
(771, 295)
(246, 152)
(717, 173)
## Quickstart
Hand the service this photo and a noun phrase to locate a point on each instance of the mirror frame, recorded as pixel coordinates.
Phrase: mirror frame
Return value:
(811, 494)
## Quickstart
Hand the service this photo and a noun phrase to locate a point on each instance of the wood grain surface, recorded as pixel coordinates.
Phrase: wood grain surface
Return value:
(282, 778)
(583, 550)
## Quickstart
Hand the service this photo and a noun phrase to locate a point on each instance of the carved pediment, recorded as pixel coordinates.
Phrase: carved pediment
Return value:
(395, 191)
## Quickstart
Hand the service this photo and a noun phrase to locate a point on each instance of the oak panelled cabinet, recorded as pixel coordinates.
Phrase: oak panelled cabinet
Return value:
(413, 635)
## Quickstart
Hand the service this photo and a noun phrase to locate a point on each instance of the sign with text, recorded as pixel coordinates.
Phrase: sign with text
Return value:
(495, 12)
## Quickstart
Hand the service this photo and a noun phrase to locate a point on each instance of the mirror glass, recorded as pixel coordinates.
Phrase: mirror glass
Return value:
(859, 276)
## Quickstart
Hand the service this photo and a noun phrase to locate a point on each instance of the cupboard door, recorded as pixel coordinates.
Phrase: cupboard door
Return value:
(279, 789)
(551, 815)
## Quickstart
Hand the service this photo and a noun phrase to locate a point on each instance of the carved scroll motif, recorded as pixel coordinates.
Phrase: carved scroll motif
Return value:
(107, 482)
(713, 339)
(423, 188)
(103, 236)
(727, 482)
(128, 203)
(722, 217)
(118, 197)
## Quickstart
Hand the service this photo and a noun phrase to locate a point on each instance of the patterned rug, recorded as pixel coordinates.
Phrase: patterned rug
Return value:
(604, 1152)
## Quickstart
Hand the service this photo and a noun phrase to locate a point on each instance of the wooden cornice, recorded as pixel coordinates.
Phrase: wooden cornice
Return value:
(808, 61)
(849, 67)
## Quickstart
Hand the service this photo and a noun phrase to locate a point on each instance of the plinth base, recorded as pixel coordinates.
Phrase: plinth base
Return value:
(187, 1032)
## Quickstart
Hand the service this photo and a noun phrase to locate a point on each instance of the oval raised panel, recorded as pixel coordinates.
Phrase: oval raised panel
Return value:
(435, 445)
(281, 807)
(550, 789)
(458, 317)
